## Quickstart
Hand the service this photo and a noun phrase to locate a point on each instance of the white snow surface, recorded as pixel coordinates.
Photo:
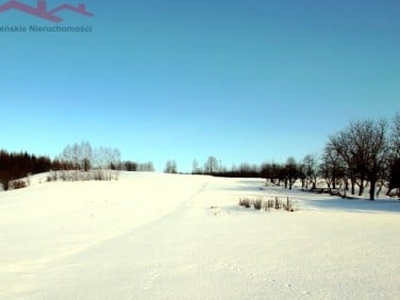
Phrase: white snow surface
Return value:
(159, 236)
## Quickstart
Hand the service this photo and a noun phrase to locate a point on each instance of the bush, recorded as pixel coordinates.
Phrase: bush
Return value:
(53, 176)
(245, 202)
(267, 205)
(288, 206)
(18, 184)
(394, 193)
(76, 175)
(277, 203)
(98, 175)
(257, 204)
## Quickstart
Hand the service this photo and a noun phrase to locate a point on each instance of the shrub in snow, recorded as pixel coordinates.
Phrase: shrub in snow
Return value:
(394, 193)
(245, 202)
(76, 175)
(267, 205)
(277, 203)
(288, 206)
(98, 175)
(257, 204)
(18, 184)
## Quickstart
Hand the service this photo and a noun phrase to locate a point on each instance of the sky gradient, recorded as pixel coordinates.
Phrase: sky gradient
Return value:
(245, 81)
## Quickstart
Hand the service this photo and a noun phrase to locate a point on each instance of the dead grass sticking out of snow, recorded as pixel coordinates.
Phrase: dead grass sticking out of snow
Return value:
(268, 204)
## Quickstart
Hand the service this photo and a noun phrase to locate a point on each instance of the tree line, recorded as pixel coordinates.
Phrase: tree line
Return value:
(80, 157)
(365, 153)
(20, 164)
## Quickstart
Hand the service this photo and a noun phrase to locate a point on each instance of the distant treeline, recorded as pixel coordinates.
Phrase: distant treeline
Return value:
(21, 164)
(79, 156)
(365, 153)
(214, 168)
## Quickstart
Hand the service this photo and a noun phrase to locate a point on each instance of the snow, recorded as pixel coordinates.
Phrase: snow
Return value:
(159, 236)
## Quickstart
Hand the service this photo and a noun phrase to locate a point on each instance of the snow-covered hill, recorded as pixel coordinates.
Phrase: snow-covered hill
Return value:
(158, 236)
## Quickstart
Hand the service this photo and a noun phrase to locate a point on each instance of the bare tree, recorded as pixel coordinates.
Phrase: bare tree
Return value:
(211, 165)
(363, 146)
(108, 162)
(81, 157)
(107, 158)
(332, 167)
(310, 164)
(79, 154)
(394, 175)
(302, 173)
(170, 167)
(273, 172)
(395, 136)
(343, 145)
(145, 167)
(130, 166)
(291, 172)
(371, 141)
(394, 155)
(195, 167)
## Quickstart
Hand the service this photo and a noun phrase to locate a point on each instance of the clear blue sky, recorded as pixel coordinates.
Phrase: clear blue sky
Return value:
(245, 81)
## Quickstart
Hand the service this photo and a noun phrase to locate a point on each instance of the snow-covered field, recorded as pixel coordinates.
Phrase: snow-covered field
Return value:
(158, 236)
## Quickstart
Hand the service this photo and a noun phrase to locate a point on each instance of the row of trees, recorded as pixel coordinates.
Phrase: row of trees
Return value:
(211, 167)
(365, 153)
(81, 157)
(171, 167)
(20, 164)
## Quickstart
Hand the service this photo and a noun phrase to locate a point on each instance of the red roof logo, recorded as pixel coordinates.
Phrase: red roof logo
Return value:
(41, 11)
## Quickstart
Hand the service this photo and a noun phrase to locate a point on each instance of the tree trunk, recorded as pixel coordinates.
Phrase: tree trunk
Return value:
(362, 185)
(361, 190)
(353, 184)
(380, 188)
(314, 185)
(328, 183)
(290, 184)
(372, 189)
